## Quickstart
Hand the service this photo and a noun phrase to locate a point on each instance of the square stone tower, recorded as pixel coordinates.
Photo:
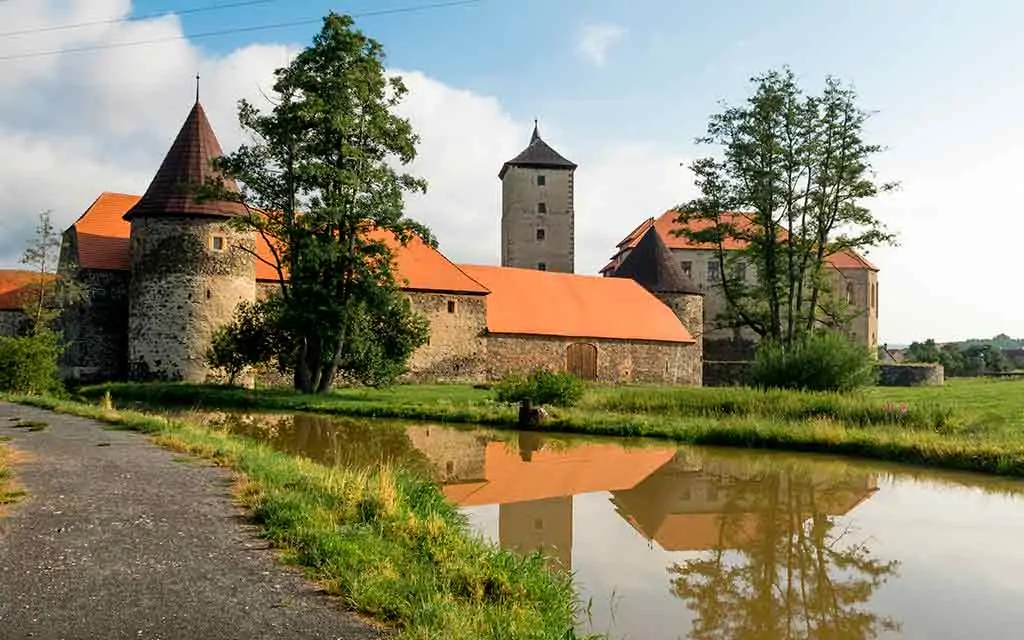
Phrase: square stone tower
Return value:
(537, 217)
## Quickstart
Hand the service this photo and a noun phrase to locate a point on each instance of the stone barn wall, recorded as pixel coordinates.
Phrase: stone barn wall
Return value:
(183, 287)
(617, 360)
(455, 348)
(97, 328)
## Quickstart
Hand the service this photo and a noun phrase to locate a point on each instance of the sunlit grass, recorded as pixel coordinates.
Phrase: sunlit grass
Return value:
(383, 540)
(10, 492)
(973, 424)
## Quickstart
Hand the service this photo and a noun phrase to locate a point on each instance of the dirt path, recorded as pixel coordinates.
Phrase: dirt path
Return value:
(118, 538)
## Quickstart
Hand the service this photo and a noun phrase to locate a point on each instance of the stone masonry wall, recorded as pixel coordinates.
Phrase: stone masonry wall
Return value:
(617, 360)
(12, 322)
(690, 311)
(522, 219)
(183, 287)
(457, 327)
(97, 328)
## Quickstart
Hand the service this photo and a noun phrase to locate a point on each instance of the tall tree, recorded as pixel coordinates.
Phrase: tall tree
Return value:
(320, 183)
(55, 288)
(786, 192)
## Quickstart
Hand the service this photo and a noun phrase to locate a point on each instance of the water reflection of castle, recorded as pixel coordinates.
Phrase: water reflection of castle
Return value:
(670, 497)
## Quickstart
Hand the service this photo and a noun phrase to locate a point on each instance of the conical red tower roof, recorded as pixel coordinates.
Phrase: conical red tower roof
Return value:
(188, 162)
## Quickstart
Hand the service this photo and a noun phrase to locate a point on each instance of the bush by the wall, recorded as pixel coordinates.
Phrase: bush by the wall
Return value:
(540, 387)
(28, 364)
(821, 361)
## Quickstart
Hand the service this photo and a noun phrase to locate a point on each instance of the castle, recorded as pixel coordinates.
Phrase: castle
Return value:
(163, 272)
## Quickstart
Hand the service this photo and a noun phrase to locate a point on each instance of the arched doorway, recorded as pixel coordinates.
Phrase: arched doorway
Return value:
(581, 360)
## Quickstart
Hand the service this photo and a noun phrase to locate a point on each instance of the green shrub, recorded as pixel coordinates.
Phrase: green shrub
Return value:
(28, 364)
(822, 361)
(540, 387)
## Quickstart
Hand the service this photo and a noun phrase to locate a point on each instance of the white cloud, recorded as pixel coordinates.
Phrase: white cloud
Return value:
(595, 40)
(79, 124)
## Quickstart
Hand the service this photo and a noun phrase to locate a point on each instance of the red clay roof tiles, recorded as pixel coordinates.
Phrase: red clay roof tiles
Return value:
(187, 162)
(524, 301)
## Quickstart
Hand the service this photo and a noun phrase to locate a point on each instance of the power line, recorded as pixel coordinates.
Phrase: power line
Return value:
(223, 32)
(148, 16)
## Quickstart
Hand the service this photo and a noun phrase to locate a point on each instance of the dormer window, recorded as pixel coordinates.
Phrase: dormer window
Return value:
(217, 243)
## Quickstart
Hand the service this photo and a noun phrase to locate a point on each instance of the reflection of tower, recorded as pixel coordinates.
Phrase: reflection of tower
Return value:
(538, 524)
(455, 456)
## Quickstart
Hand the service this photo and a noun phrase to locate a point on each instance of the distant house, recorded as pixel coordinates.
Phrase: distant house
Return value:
(852, 277)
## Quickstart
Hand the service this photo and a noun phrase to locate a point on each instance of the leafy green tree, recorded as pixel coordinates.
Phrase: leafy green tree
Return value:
(55, 288)
(253, 339)
(383, 334)
(320, 182)
(787, 191)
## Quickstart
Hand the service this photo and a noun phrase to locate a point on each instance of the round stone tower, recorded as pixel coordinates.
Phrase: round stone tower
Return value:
(189, 268)
(650, 263)
(537, 217)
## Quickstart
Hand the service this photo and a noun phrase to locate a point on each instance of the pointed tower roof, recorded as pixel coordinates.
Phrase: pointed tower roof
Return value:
(651, 264)
(187, 162)
(537, 155)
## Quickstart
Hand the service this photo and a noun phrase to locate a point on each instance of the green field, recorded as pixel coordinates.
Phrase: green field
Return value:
(974, 424)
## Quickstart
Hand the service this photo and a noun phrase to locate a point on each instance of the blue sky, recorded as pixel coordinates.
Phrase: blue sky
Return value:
(946, 80)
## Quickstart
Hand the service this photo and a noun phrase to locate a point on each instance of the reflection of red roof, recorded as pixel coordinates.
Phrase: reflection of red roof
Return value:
(103, 244)
(15, 285)
(527, 301)
(666, 224)
(551, 474)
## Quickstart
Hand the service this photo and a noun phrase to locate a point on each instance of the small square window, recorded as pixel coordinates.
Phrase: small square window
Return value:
(540, 234)
(542, 266)
(451, 306)
(687, 267)
(542, 207)
(217, 243)
(541, 180)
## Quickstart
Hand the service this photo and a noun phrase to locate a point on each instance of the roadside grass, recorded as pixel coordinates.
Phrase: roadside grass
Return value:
(382, 539)
(975, 425)
(10, 492)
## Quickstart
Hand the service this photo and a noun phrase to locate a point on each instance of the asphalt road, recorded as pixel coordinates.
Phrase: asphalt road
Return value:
(119, 538)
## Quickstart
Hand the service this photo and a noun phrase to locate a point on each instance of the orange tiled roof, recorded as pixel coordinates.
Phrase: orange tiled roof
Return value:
(552, 474)
(666, 223)
(15, 284)
(103, 244)
(525, 301)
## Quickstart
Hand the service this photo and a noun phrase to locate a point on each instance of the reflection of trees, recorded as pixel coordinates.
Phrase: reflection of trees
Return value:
(352, 443)
(790, 574)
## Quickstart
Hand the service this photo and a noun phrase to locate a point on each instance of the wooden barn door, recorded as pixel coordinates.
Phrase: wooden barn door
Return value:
(581, 360)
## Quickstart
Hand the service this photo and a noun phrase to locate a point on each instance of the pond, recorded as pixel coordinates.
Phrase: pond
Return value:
(669, 542)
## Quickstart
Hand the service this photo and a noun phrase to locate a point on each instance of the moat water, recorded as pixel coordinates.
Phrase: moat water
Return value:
(669, 542)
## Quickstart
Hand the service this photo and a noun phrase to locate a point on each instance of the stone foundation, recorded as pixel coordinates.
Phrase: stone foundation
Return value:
(726, 373)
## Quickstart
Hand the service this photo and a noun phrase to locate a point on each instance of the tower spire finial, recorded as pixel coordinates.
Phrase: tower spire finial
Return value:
(536, 133)
(197, 88)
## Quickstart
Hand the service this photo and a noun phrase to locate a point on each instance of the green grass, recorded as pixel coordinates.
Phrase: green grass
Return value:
(973, 424)
(382, 539)
(9, 489)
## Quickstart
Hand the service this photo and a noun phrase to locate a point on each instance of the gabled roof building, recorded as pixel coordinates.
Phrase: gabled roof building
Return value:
(165, 271)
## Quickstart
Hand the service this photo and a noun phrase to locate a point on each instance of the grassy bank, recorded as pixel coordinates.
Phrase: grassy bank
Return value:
(9, 490)
(382, 539)
(973, 425)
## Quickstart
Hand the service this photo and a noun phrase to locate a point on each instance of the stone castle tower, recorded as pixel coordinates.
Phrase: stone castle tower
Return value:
(189, 268)
(651, 264)
(537, 217)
